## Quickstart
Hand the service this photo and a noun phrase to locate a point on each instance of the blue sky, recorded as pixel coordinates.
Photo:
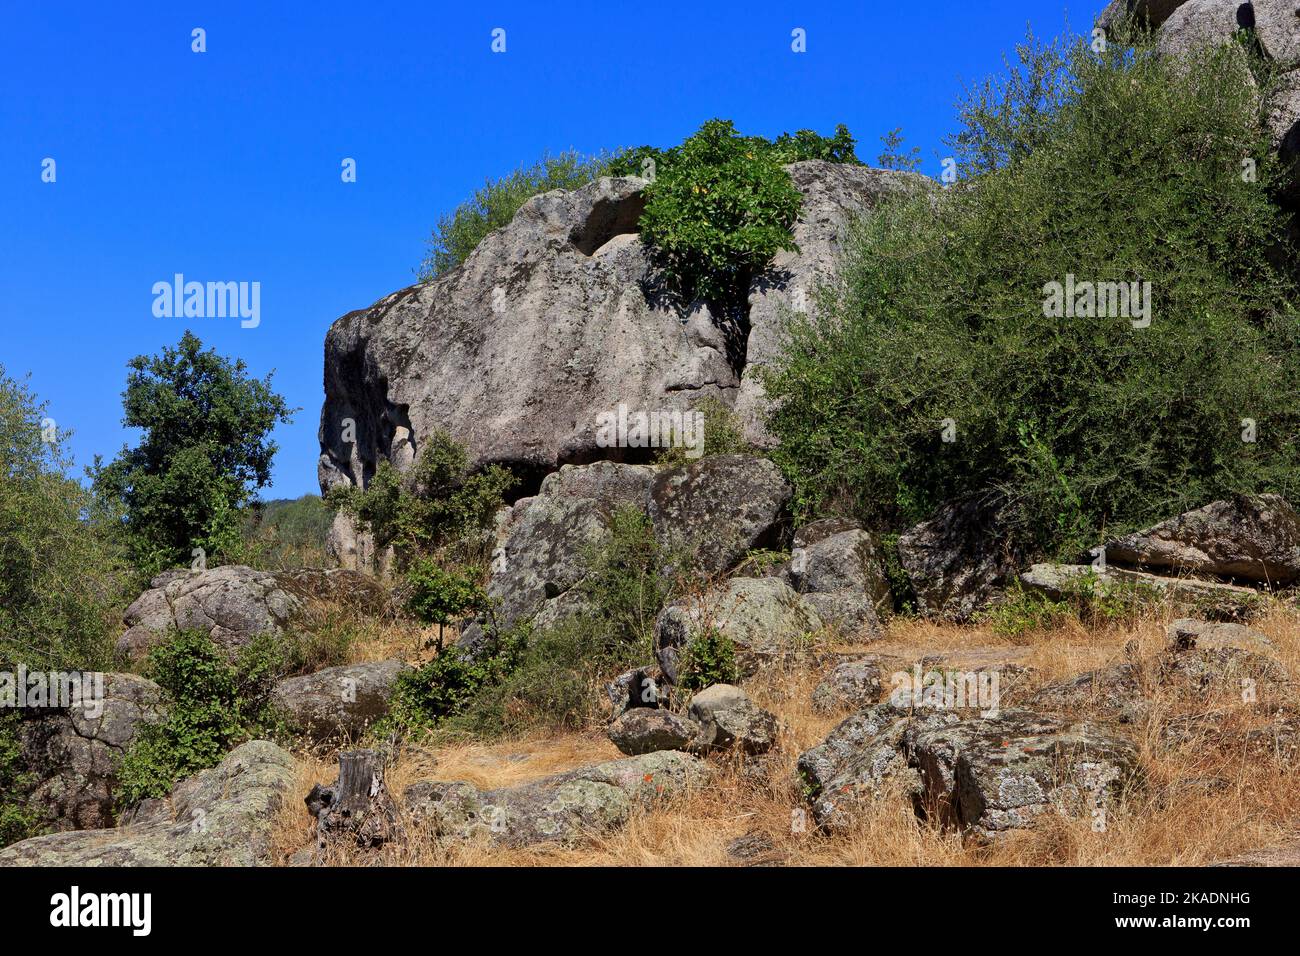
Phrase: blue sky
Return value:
(225, 165)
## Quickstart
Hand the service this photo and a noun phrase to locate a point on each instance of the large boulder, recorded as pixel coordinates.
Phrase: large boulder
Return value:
(72, 754)
(1249, 539)
(833, 194)
(842, 575)
(1277, 27)
(762, 617)
(719, 508)
(991, 776)
(562, 809)
(233, 604)
(549, 323)
(1150, 13)
(337, 703)
(1202, 23)
(222, 816)
(959, 560)
(644, 730)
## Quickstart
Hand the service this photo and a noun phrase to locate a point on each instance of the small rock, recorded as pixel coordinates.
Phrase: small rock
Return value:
(729, 720)
(850, 685)
(644, 730)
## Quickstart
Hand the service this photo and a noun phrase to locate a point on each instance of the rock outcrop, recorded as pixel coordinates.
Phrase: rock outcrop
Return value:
(958, 560)
(73, 753)
(1255, 540)
(840, 571)
(560, 809)
(1210, 598)
(232, 604)
(980, 775)
(218, 817)
(555, 320)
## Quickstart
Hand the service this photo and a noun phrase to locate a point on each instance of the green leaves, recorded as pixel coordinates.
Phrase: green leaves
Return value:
(204, 451)
(1110, 167)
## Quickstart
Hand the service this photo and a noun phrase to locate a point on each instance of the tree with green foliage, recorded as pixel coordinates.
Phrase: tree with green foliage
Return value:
(438, 596)
(62, 576)
(204, 452)
(936, 365)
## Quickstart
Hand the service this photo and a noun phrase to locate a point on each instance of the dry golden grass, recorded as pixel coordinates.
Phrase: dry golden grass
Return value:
(1209, 799)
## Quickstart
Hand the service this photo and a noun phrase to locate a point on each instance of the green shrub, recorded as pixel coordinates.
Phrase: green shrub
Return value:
(18, 819)
(710, 659)
(438, 596)
(893, 157)
(458, 233)
(723, 434)
(63, 577)
(1108, 166)
(213, 705)
(717, 211)
(551, 677)
(1090, 600)
(439, 501)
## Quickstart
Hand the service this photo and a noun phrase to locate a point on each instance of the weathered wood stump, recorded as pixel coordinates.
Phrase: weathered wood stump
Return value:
(357, 803)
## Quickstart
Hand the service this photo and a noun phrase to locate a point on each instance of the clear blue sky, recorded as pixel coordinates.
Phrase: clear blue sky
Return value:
(225, 165)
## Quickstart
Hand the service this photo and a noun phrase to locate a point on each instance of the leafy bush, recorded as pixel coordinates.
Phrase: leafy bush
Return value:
(204, 450)
(1090, 600)
(18, 820)
(63, 579)
(1109, 166)
(213, 704)
(893, 157)
(719, 208)
(458, 233)
(551, 677)
(440, 500)
(438, 596)
(709, 659)
(723, 434)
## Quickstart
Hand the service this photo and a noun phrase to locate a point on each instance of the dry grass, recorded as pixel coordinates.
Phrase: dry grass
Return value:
(1209, 799)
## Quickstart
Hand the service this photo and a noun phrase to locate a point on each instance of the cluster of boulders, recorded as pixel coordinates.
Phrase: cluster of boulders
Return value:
(986, 767)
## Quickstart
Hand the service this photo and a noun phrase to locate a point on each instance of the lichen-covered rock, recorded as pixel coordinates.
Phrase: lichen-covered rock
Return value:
(1188, 633)
(852, 684)
(992, 775)
(560, 809)
(719, 508)
(72, 754)
(1249, 539)
(1277, 28)
(613, 484)
(641, 687)
(233, 604)
(222, 816)
(729, 720)
(860, 761)
(763, 617)
(644, 730)
(1209, 598)
(842, 575)
(338, 703)
(958, 561)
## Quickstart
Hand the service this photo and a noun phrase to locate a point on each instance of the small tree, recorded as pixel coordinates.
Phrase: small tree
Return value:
(205, 451)
(439, 596)
(893, 157)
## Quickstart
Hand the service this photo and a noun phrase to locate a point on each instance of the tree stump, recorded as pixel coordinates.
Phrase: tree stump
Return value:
(357, 803)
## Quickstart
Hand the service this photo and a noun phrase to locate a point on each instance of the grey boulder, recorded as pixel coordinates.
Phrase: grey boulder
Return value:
(338, 703)
(644, 730)
(728, 720)
(222, 816)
